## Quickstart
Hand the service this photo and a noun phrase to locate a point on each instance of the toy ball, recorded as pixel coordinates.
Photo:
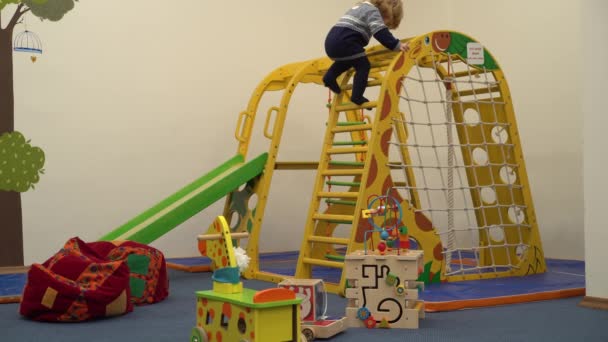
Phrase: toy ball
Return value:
(382, 247)
(384, 235)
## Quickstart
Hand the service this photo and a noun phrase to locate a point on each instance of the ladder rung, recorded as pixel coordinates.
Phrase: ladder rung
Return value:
(352, 106)
(334, 201)
(338, 183)
(326, 217)
(338, 194)
(345, 143)
(372, 83)
(345, 163)
(355, 128)
(478, 91)
(329, 239)
(334, 257)
(350, 123)
(343, 150)
(326, 263)
(339, 222)
(343, 172)
(464, 73)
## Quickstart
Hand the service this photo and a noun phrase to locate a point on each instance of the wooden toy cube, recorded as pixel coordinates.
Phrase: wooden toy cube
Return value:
(383, 289)
(312, 293)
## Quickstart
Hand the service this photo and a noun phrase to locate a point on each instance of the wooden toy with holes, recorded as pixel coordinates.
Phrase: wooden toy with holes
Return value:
(230, 312)
(382, 290)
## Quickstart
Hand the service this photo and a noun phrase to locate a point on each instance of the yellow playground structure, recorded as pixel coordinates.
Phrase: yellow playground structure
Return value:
(436, 154)
(441, 139)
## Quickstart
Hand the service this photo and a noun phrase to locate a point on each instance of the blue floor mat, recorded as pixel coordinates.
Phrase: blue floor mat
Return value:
(11, 285)
(560, 275)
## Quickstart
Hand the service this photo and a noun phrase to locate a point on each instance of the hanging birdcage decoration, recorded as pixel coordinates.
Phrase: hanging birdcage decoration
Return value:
(28, 41)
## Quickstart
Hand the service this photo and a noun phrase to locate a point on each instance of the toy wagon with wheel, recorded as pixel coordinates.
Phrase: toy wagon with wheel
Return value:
(230, 312)
(268, 315)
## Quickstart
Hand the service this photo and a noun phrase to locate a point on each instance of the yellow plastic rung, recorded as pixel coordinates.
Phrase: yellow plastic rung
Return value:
(343, 172)
(344, 150)
(470, 72)
(329, 239)
(354, 128)
(352, 106)
(269, 277)
(327, 217)
(372, 83)
(325, 263)
(335, 194)
(478, 91)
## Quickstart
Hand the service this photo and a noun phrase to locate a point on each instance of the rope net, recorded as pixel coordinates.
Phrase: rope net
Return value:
(458, 165)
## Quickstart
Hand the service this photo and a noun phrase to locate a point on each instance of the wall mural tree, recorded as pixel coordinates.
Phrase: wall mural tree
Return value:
(20, 162)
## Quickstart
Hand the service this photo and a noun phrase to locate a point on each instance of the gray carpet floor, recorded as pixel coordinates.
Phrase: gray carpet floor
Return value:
(173, 319)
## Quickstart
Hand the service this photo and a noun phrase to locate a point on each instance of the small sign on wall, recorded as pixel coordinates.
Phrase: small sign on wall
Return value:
(475, 54)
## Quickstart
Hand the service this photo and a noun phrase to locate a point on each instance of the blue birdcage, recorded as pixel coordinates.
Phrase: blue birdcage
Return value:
(27, 41)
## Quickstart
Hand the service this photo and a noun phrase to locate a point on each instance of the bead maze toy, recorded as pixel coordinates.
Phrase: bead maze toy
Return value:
(382, 282)
(383, 291)
(315, 322)
(230, 312)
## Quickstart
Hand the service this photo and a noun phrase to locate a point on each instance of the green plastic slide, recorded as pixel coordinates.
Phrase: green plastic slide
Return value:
(190, 200)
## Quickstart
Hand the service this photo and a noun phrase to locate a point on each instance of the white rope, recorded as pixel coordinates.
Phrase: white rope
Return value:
(502, 126)
(448, 146)
(428, 116)
(414, 136)
(506, 156)
(451, 232)
(453, 102)
(461, 166)
(456, 187)
(463, 208)
(493, 181)
(452, 81)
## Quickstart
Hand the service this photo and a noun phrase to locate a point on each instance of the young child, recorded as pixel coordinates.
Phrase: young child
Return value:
(346, 41)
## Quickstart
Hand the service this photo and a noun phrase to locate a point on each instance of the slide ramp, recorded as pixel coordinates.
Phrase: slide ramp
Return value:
(190, 200)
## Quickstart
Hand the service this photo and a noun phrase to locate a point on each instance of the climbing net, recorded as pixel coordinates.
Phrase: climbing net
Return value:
(459, 167)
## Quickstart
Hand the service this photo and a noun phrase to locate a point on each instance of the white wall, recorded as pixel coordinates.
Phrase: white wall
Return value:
(595, 30)
(134, 99)
(537, 44)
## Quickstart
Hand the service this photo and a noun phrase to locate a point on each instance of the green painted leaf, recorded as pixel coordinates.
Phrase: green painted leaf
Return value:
(425, 275)
(52, 10)
(3, 3)
(20, 163)
(458, 46)
(436, 278)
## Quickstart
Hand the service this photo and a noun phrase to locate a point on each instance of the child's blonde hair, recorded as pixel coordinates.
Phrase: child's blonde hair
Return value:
(391, 10)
